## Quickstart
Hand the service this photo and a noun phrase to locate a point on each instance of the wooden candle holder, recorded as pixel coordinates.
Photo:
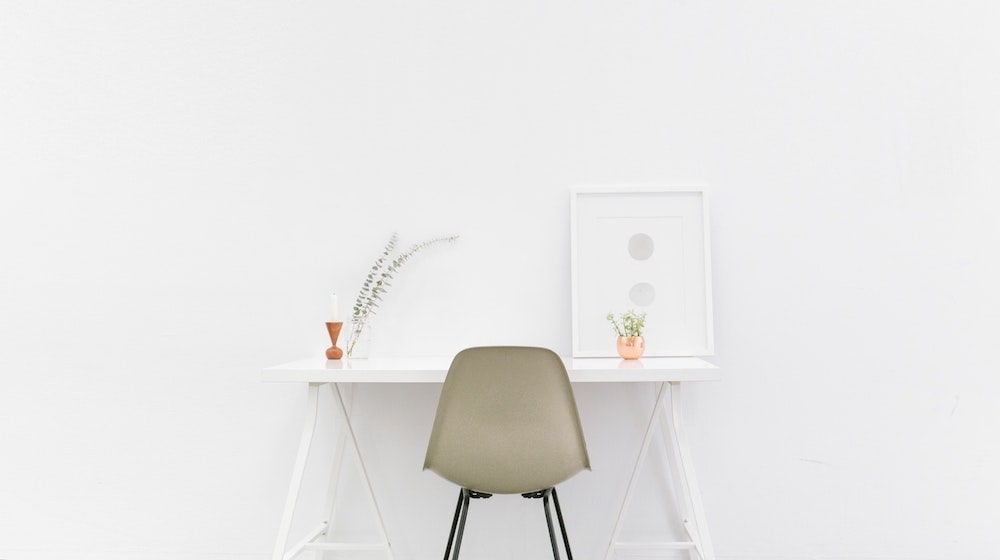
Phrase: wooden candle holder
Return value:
(334, 353)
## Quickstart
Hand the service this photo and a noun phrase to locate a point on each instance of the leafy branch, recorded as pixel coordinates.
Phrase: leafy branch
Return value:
(378, 281)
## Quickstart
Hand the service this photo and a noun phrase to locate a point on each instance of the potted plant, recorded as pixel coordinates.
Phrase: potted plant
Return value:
(628, 327)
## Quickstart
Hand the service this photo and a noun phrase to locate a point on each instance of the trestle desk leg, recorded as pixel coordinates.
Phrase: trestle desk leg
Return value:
(305, 443)
(683, 470)
(682, 497)
(643, 450)
(341, 405)
(338, 457)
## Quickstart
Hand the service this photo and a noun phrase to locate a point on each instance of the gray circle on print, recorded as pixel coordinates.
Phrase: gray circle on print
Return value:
(640, 246)
(642, 294)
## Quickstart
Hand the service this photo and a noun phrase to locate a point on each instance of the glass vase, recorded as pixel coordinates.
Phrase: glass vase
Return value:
(359, 342)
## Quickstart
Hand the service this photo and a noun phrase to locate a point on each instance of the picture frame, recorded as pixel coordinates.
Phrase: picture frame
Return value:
(647, 248)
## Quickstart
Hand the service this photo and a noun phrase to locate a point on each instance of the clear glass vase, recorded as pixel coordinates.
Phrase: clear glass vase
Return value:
(359, 342)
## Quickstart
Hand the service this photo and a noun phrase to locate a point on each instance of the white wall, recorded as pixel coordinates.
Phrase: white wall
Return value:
(183, 183)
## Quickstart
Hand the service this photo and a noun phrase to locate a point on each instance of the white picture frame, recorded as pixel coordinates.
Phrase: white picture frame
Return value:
(642, 247)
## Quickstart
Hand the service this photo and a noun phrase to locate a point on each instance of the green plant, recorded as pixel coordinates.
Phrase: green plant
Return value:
(629, 324)
(377, 282)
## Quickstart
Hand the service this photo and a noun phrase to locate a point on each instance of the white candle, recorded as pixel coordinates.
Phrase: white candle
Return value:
(333, 308)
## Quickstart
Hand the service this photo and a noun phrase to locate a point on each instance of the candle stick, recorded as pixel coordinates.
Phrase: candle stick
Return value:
(333, 308)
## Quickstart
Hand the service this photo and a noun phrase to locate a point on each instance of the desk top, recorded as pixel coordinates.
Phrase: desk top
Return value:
(434, 370)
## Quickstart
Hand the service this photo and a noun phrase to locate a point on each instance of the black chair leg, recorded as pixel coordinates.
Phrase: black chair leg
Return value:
(461, 512)
(562, 525)
(454, 523)
(548, 520)
(461, 523)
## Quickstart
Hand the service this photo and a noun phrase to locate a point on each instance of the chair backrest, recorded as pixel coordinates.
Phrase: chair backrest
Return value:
(507, 422)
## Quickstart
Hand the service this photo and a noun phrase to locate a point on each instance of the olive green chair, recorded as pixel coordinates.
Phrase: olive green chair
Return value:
(507, 423)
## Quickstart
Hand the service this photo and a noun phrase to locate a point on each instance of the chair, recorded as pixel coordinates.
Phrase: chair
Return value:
(507, 423)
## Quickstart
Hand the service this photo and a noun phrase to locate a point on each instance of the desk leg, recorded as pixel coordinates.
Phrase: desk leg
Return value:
(312, 539)
(682, 469)
(305, 443)
(682, 476)
(643, 450)
(346, 417)
(338, 457)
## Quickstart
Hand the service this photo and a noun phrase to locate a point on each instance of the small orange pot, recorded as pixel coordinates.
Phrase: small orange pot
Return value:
(631, 347)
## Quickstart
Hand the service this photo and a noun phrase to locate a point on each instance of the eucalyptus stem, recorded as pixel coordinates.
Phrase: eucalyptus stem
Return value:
(377, 282)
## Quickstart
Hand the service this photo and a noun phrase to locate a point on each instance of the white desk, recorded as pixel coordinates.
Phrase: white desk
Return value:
(666, 373)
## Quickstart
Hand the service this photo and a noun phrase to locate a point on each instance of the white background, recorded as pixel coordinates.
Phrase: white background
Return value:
(184, 183)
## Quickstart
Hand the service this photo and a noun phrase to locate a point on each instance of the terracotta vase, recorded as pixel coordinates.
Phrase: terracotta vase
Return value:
(631, 347)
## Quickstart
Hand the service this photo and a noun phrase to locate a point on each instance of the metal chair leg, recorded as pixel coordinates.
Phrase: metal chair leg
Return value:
(461, 523)
(548, 520)
(454, 523)
(562, 525)
(462, 512)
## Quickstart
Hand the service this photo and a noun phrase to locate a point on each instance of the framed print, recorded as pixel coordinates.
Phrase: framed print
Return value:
(643, 248)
